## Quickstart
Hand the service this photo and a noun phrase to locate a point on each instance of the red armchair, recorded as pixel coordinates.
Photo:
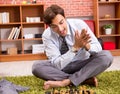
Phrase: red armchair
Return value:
(91, 25)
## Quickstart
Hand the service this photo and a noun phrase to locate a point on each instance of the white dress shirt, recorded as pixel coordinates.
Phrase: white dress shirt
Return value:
(52, 44)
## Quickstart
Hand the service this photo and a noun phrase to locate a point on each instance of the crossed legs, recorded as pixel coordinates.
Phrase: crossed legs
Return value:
(57, 78)
(54, 77)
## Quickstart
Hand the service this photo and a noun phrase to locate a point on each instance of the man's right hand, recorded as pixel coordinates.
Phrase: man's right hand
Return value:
(81, 39)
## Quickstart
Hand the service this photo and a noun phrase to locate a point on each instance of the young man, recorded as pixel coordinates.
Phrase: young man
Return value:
(84, 58)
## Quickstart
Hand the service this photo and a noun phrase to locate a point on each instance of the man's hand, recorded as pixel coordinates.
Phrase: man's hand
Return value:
(82, 40)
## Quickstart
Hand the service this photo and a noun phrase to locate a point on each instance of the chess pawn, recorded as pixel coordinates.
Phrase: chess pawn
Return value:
(71, 91)
(67, 92)
(84, 90)
(92, 92)
(48, 92)
(88, 92)
(80, 90)
(56, 92)
(76, 91)
(62, 92)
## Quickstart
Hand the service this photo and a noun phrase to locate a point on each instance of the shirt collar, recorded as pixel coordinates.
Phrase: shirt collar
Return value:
(69, 28)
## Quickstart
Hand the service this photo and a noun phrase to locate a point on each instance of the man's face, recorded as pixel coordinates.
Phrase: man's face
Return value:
(59, 25)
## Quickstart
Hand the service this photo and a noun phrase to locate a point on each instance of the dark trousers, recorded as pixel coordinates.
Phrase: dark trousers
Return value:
(77, 71)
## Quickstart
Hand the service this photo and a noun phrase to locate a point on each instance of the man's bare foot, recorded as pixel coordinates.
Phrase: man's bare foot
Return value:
(51, 84)
(91, 81)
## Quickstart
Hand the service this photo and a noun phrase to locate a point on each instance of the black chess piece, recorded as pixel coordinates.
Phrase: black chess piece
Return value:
(76, 91)
(48, 92)
(67, 92)
(71, 91)
(88, 92)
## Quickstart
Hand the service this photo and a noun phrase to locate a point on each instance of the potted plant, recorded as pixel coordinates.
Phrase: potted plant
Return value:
(108, 28)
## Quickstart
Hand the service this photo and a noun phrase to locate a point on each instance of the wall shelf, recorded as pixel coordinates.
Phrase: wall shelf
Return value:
(112, 9)
(17, 18)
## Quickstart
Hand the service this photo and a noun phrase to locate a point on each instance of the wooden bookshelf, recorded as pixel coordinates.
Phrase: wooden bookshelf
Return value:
(111, 8)
(18, 15)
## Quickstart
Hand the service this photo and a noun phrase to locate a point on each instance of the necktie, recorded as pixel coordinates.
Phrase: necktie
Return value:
(64, 48)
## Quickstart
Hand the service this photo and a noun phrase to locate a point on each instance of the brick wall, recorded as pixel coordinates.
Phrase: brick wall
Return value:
(73, 8)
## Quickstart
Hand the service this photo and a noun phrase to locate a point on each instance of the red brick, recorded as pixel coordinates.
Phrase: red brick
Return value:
(72, 7)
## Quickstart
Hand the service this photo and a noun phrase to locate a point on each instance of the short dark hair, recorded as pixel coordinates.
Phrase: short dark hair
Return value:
(51, 12)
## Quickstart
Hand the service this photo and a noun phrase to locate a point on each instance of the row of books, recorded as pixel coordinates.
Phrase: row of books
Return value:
(4, 17)
(15, 32)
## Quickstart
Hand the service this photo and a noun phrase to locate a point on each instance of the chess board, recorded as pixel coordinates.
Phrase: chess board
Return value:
(80, 90)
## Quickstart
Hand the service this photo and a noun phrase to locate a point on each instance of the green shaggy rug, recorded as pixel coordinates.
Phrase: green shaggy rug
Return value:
(109, 83)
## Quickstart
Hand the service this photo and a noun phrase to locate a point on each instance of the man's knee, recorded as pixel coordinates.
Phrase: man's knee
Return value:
(106, 58)
(37, 67)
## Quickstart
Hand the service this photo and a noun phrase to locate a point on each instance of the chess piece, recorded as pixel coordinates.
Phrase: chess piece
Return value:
(84, 90)
(48, 92)
(56, 92)
(88, 92)
(92, 92)
(71, 90)
(61, 91)
(80, 90)
(67, 92)
(76, 91)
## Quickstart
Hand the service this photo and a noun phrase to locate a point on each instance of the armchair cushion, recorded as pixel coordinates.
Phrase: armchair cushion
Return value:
(91, 25)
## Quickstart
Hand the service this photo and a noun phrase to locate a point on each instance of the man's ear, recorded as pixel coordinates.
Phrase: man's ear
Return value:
(46, 25)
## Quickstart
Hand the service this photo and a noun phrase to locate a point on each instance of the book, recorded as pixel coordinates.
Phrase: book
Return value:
(13, 34)
(17, 33)
(5, 17)
(9, 37)
(38, 48)
(0, 17)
